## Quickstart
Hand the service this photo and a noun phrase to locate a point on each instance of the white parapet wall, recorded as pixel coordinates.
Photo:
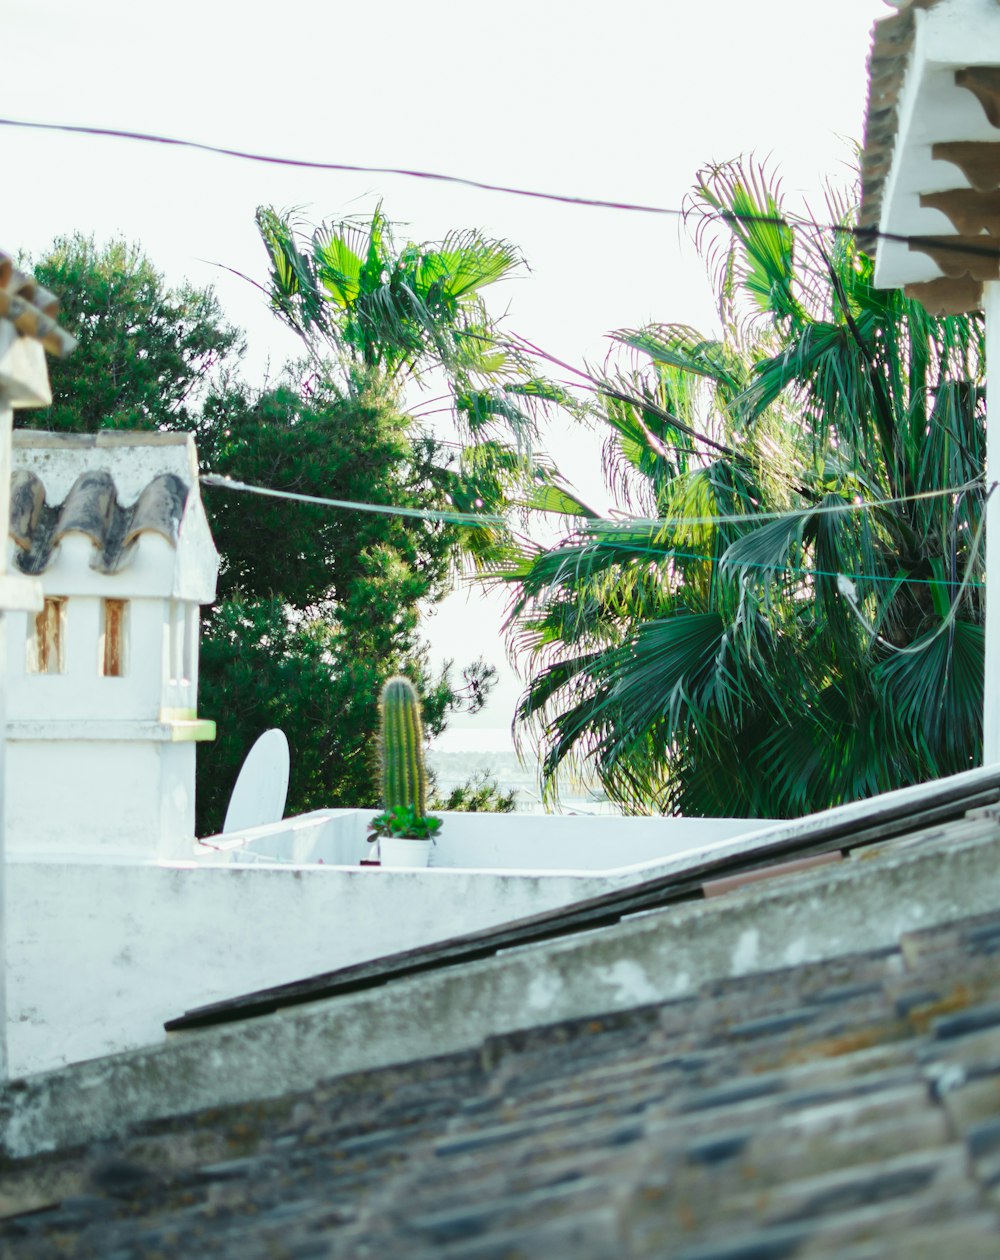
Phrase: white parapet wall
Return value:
(485, 842)
(102, 951)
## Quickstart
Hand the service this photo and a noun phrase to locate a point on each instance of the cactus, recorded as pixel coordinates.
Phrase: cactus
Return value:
(404, 776)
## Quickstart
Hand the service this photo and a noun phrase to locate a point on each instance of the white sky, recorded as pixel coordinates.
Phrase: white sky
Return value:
(622, 101)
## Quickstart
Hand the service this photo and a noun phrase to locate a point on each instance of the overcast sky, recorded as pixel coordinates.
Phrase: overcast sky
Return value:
(620, 101)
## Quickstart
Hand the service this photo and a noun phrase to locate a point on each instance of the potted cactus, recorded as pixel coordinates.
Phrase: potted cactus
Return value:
(404, 831)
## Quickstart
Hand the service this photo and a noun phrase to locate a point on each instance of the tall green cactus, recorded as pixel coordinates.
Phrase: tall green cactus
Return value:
(404, 776)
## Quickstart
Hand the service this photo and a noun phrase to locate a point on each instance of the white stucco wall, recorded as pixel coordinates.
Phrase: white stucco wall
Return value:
(98, 763)
(102, 952)
(127, 791)
(505, 842)
(100, 955)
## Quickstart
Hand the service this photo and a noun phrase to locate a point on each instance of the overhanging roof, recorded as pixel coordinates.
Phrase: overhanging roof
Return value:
(931, 163)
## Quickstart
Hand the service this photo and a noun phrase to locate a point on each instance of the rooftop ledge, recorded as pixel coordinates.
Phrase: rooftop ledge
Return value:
(167, 731)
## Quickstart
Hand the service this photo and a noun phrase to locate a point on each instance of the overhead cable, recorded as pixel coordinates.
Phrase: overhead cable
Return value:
(603, 525)
(849, 593)
(381, 509)
(314, 165)
(862, 234)
(823, 509)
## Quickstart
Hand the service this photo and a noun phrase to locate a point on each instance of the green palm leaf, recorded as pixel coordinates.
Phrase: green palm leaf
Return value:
(778, 635)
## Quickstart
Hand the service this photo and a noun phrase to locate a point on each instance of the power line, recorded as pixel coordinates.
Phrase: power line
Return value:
(669, 553)
(862, 234)
(381, 509)
(310, 164)
(617, 525)
(602, 524)
(824, 509)
(846, 589)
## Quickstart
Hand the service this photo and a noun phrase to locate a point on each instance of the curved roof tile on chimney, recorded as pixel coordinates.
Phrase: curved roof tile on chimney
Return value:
(92, 508)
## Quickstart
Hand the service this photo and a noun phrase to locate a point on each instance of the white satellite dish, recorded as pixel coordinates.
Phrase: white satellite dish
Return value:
(262, 785)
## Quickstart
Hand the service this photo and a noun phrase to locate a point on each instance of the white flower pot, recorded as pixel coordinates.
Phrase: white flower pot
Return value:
(397, 851)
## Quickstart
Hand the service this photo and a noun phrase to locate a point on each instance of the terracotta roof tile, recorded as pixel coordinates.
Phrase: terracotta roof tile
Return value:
(31, 309)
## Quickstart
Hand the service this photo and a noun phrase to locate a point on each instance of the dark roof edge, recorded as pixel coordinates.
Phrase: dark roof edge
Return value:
(888, 60)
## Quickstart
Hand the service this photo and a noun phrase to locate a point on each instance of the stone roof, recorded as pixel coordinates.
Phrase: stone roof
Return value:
(92, 508)
(974, 209)
(847, 1108)
(31, 309)
(892, 43)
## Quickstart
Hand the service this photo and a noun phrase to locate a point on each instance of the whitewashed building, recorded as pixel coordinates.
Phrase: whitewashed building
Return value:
(117, 918)
(102, 683)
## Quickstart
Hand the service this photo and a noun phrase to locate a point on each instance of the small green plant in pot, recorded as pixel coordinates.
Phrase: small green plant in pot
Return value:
(404, 830)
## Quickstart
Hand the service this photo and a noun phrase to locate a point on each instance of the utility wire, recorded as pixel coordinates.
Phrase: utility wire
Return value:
(600, 524)
(672, 553)
(847, 590)
(668, 522)
(381, 509)
(308, 164)
(862, 234)
(826, 509)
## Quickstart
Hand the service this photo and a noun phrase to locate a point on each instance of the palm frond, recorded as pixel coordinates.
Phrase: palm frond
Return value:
(730, 664)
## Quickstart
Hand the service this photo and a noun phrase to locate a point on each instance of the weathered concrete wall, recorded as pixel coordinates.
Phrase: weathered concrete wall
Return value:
(495, 842)
(102, 952)
(129, 794)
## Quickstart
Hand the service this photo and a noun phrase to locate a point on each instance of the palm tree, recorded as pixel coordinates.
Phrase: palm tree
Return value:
(406, 314)
(799, 620)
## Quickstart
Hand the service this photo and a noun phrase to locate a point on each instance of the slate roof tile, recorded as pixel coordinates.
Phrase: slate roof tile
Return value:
(847, 1107)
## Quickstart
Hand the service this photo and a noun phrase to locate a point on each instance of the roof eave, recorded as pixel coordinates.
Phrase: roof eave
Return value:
(922, 101)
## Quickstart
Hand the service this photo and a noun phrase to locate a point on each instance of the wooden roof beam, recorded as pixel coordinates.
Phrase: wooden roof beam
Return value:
(947, 296)
(971, 212)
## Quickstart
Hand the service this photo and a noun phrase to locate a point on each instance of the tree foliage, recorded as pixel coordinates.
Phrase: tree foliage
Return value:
(147, 354)
(319, 606)
(481, 794)
(798, 622)
(399, 310)
(414, 316)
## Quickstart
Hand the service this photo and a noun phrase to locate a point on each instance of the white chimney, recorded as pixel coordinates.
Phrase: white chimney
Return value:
(102, 684)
